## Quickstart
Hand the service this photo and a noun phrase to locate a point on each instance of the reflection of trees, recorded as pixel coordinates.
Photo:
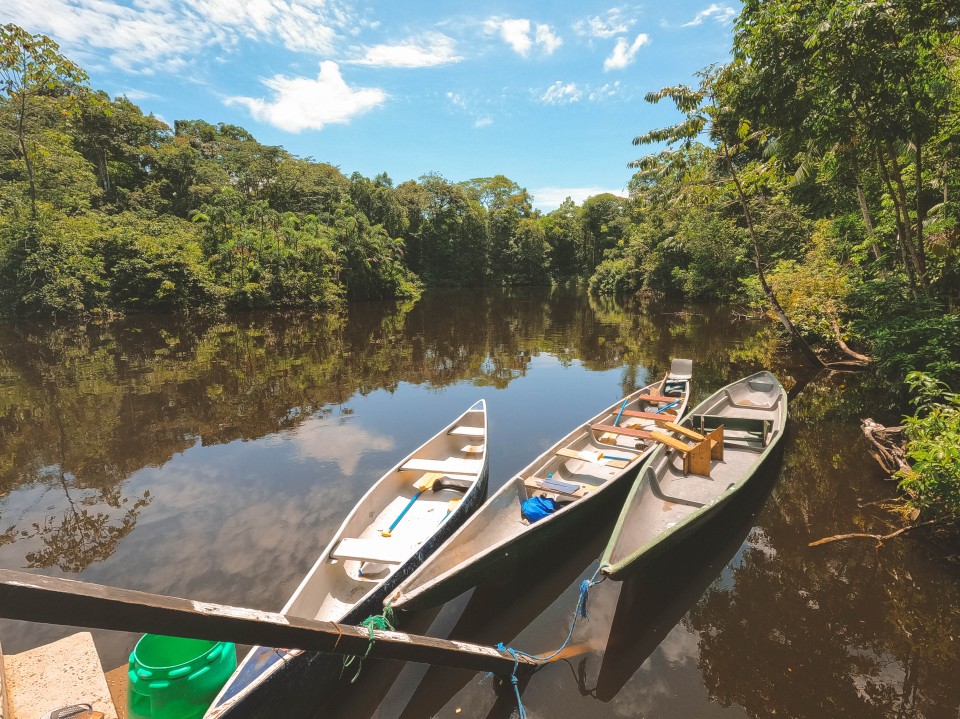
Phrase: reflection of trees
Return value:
(842, 630)
(84, 407)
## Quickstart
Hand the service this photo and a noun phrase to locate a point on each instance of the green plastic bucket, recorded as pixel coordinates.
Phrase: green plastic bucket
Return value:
(174, 678)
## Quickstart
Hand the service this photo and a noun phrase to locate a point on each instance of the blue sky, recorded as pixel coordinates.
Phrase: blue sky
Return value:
(548, 94)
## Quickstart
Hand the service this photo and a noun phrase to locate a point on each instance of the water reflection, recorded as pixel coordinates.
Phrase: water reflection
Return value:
(214, 458)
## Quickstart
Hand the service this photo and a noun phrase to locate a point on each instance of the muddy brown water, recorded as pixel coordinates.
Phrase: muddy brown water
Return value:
(214, 458)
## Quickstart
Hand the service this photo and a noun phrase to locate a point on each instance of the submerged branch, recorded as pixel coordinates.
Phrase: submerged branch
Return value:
(880, 538)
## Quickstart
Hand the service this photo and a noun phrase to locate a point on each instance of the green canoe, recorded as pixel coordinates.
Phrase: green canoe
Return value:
(710, 456)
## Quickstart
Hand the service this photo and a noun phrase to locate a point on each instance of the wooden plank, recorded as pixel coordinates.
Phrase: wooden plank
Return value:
(679, 429)
(657, 398)
(36, 598)
(670, 441)
(536, 484)
(594, 458)
(655, 416)
(625, 431)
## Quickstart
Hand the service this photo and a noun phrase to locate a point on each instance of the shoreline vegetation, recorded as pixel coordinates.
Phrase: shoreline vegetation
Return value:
(814, 178)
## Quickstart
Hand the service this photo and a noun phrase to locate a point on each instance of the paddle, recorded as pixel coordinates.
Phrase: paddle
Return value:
(667, 406)
(622, 407)
(50, 600)
(423, 484)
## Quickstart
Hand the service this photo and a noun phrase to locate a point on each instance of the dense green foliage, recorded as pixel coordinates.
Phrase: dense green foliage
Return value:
(815, 175)
(105, 209)
(933, 448)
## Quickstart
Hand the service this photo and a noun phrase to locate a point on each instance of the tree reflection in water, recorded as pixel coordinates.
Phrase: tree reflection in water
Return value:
(214, 457)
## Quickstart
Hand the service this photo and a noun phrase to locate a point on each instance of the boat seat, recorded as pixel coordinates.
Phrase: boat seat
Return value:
(371, 550)
(451, 465)
(626, 431)
(655, 416)
(468, 431)
(555, 486)
(594, 458)
(472, 449)
(657, 398)
(756, 429)
(697, 456)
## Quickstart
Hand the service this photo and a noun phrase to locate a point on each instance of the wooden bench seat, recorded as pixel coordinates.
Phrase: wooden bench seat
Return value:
(626, 431)
(380, 551)
(681, 430)
(535, 484)
(655, 416)
(697, 456)
(594, 458)
(657, 398)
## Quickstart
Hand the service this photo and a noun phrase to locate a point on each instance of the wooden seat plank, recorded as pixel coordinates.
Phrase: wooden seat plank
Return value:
(673, 442)
(655, 416)
(536, 484)
(593, 457)
(626, 431)
(451, 465)
(657, 398)
(680, 429)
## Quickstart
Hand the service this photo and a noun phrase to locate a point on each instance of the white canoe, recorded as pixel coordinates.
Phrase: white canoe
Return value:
(390, 532)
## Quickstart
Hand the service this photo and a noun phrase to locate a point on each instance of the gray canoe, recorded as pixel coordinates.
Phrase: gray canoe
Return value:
(573, 472)
(669, 499)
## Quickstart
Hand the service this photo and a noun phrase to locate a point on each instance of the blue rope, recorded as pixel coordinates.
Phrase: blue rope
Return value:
(580, 611)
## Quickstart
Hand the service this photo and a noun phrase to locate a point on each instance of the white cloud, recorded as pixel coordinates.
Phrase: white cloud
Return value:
(624, 54)
(721, 14)
(483, 121)
(604, 27)
(547, 39)
(300, 103)
(562, 94)
(345, 445)
(457, 99)
(429, 50)
(610, 89)
(550, 198)
(516, 32)
(162, 36)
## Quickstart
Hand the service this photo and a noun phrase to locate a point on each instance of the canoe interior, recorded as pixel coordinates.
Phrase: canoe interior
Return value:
(498, 526)
(664, 500)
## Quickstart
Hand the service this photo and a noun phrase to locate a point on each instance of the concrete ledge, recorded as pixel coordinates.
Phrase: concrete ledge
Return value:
(65, 672)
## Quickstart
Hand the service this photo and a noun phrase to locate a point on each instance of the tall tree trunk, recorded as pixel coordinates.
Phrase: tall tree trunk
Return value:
(865, 209)
(898, 212)
(907, 225)
(21, 139)
(778, 310)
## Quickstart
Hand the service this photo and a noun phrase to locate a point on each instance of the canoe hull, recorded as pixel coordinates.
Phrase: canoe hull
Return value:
(622, 555)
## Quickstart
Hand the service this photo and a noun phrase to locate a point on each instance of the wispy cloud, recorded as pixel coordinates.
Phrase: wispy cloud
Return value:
(606, 91)
(550, 198)
(426, 51)
(624, 54)
(461, 103)
(163, 36)
(521, 35)
(560, 93)
(721, 14)
(300, 103)
(613, 23)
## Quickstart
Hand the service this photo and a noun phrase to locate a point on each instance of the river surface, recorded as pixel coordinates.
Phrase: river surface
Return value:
(214, 458)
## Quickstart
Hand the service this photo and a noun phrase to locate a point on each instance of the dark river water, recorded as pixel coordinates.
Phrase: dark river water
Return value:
(214, 459)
